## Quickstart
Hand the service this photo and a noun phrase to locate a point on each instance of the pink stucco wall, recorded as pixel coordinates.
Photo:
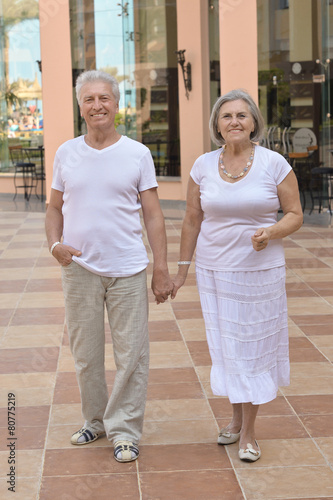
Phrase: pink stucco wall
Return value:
(56, 79)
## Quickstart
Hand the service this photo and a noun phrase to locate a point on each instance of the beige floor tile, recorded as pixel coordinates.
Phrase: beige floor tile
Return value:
(313, 369)
(181, 409)
(170, 361)
(15, 273)
(27, 330)
(327, 260)
(310, 275)
(291, 277)
(322, 340)
(180, 431)
(203, 373)
(286, 482)
(308, 305)
(326, 447)
(303, 386)
(192, 329)
(296, 253)
(315, 243)
(66, 354)
(29, 463)
(66, 364)
(295, 331)
(36, 236)
(327, 352)
(69, 414)
(8, 231)
(188, 294)
(18, 253)
(43, 299)
(15, 220)
(163, 348)
(10, 300)
(160, 314)
(46, 272)
(19, 380)
(17, 341)
(26, 488)
(208, 391)
(36, 396)
(282, 453)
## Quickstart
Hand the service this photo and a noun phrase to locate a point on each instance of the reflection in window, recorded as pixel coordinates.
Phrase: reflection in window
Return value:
(294, 52)
(21, 93)
(135, 41)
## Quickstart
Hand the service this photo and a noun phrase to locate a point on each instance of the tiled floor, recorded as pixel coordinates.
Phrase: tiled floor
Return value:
(179, 455)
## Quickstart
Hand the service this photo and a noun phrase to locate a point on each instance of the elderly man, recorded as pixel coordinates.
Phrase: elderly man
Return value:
(100, 182)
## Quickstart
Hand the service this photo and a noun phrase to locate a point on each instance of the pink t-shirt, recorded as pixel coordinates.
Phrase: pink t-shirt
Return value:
(101, 204)
(234, 211)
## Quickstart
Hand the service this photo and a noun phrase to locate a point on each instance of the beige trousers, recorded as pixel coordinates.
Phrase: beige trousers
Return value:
(121, 415)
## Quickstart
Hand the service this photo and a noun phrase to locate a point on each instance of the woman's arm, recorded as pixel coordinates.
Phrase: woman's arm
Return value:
(292, 219)
(190, 231)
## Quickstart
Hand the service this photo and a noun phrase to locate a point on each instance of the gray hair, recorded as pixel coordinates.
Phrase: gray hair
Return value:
(234, 95)
(93, 76)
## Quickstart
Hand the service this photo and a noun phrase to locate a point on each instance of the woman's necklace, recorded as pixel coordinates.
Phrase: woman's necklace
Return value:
(248, 165)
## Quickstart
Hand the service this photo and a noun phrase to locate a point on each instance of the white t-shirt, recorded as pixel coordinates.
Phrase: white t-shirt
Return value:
(234, 211)
(101, 205)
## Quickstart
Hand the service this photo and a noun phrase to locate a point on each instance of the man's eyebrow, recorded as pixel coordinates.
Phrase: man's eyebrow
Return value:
(88, 96)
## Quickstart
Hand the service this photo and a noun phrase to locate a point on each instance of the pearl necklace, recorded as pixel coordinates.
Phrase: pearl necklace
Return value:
(248, 164)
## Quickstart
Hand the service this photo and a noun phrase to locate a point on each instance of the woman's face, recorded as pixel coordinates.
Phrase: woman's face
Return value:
(235, 122)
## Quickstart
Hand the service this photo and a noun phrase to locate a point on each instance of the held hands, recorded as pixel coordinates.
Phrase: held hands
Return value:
(260, 239)
(178, 282)
(161, 285)
(64, 254)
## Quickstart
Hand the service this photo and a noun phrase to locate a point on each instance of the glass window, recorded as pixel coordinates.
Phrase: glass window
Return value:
(214, 51)
(21, 93)
(135, 41)
(295, 43)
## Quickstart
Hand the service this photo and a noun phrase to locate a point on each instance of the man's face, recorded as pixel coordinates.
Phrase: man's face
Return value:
(98, 106)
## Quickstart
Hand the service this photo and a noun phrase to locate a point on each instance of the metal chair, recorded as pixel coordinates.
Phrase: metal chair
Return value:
(23, 170)
(302, 165)
(321, 187)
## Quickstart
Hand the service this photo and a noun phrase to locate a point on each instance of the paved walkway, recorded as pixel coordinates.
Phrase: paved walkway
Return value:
(179, 455)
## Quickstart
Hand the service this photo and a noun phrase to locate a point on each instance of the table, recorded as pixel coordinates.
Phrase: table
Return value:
(29, 151)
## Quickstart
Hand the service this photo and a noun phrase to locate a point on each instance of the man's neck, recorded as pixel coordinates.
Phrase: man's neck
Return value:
(100, 139)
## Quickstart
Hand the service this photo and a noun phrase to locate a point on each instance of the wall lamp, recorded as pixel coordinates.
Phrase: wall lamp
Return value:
(186, 70)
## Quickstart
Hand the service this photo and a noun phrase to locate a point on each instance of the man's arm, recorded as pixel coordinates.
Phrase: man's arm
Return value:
(54, 228)
(154, 222)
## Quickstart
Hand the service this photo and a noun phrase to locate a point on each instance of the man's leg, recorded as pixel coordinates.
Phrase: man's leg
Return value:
(84, 305)
(127, 306)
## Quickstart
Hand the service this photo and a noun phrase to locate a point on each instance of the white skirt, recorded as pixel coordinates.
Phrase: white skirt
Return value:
(246, 322)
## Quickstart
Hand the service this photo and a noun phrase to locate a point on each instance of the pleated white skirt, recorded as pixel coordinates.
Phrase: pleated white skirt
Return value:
(246, 322)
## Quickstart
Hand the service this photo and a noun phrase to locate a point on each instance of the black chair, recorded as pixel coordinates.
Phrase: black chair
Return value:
(36, 155)
(24, 171)
(302, 164)
(321, 187)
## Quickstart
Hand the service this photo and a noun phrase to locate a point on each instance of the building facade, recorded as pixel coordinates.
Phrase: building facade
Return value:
(172, 59)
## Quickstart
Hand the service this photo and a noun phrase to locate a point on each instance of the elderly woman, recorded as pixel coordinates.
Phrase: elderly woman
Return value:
(234, 194)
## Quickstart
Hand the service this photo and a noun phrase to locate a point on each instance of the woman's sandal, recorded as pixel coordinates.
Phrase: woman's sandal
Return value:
(125, 451)
(85, 436)
(249, 454)
(227, 437)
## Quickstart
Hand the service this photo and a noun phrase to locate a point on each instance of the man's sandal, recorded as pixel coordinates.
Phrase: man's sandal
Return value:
(125, 451)
(85, 436)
